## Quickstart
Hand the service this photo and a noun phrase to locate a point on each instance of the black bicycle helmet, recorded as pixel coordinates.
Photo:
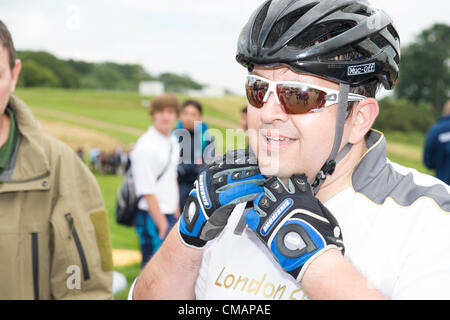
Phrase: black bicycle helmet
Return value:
(307, 34)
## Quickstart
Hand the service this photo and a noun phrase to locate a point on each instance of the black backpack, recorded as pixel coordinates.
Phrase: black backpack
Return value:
(127, 201)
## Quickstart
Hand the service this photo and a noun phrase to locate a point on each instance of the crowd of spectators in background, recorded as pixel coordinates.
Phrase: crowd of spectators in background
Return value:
(114, 162)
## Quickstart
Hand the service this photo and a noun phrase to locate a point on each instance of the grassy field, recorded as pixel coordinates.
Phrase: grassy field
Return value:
(105, 119)
(121, 115)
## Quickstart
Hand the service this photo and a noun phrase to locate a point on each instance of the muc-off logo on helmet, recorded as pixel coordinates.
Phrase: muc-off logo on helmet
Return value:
(361, 69)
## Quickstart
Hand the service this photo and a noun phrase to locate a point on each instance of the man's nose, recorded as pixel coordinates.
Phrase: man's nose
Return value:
(167, 115)
(272, 110)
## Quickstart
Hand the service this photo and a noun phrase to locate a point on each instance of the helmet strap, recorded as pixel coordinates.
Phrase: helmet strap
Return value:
(335, 156)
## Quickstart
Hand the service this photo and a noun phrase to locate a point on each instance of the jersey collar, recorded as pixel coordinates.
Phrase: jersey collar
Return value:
(371, 163)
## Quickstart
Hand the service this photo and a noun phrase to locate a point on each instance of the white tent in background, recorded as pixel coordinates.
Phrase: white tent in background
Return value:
(151, 88)
(207, 92)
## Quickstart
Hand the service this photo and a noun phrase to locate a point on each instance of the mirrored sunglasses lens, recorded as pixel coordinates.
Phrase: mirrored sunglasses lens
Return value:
(256, 90)
(300, 99)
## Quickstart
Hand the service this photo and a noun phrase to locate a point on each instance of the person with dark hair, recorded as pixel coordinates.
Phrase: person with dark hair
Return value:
(80, 153)
(154, 161)
(314, 209)
(244, 124)
(194, 139)
(436, 155)
(243, 121)
(54, 232)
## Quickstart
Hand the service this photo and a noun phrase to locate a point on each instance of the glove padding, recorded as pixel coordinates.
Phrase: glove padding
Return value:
(293, 224)
(217, 191)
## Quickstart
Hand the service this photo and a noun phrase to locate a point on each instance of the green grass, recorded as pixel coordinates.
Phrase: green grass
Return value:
(227, 108)
(122, 108)
(130, 273)
(124, 138)
(411, 138)
(411, 164)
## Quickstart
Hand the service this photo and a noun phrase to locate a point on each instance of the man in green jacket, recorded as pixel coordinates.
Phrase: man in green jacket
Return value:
(54, 233)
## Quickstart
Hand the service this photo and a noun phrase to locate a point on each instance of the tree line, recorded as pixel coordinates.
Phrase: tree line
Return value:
(43, 69)
(423, 86)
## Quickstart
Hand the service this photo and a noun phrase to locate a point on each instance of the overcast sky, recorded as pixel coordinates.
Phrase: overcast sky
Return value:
(196, 37)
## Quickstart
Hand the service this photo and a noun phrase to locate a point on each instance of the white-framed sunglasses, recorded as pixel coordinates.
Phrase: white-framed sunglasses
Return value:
(295, 97)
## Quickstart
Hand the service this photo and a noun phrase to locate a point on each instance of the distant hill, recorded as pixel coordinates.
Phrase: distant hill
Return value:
(42, 69)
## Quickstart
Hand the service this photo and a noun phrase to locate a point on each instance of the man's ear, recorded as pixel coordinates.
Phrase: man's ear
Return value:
(15, 75)
(362, 119)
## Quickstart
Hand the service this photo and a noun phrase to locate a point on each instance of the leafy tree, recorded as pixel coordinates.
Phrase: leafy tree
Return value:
(44, 69)
(176, 83)
(425, 68)
(110, 75)
(82, 67)
(67, 76)
(35, 75)
(404, 115)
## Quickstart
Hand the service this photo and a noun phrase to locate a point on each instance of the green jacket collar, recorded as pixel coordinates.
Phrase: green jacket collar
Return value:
(7, 149)
(29, 167)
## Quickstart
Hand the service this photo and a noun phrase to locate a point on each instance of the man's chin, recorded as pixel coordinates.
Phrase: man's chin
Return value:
(270, 166)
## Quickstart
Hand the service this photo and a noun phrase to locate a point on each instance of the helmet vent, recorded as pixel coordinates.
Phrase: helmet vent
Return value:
(259, 22)
(394, 33)
(319, 33)
(348, 53)
(397, 59)
(285, 23)
(358, 8)
(380, 41)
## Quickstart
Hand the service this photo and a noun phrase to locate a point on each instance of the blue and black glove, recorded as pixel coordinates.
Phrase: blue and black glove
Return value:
(217, 191)
(293, 224)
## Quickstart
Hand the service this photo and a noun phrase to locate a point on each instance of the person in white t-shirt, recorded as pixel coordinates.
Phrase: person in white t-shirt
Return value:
(324, 214)
(154, 161)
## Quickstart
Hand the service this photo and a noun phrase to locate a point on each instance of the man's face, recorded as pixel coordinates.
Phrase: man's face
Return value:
(307, 139)
(188, 116)
(164, 120)
(8, 78)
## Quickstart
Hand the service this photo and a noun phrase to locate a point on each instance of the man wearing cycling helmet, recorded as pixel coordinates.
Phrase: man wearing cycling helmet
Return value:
(323, 214)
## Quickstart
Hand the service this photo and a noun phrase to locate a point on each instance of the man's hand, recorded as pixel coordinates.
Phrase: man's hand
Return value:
(178, 212)
(217, 191)
(163, 226)
(156, 215)
(293, 224)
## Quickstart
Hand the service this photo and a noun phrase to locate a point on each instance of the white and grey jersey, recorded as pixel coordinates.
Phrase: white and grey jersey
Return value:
(378, 178)
(396, 227)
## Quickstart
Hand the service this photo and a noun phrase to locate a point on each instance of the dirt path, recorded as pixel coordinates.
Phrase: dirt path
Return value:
(117, 127)
(124, 257)
(77, 136)
(86, 120)
(221, 123)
